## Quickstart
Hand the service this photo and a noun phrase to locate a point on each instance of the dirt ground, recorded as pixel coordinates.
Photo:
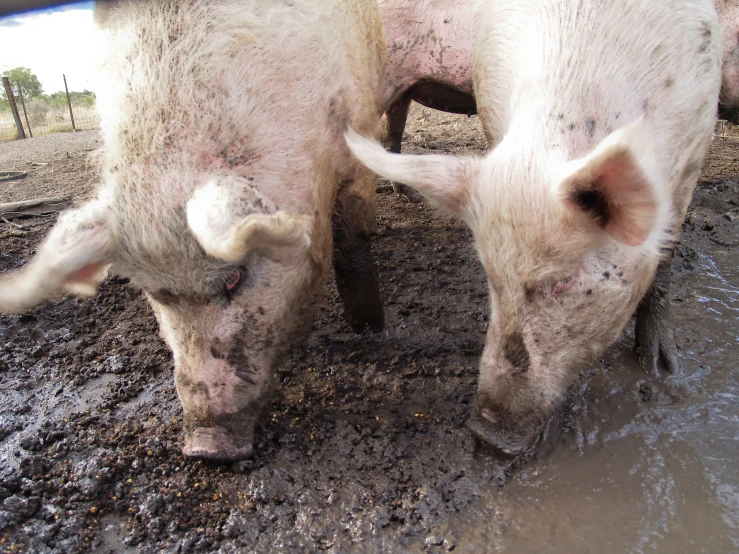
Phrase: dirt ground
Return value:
(364, 447)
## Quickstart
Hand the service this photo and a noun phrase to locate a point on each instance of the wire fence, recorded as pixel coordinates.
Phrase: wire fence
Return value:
(60, 112)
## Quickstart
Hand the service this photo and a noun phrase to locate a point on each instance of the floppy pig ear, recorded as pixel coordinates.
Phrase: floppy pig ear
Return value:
(443, 180)
(219, 218)
(617, 188)
(73, 258)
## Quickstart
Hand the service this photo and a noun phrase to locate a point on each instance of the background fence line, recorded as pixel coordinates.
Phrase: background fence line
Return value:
(59, 112)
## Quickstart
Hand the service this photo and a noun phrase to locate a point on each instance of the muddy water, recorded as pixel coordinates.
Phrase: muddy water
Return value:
(651, 464)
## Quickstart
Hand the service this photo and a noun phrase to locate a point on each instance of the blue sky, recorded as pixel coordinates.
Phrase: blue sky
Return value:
(51, 42)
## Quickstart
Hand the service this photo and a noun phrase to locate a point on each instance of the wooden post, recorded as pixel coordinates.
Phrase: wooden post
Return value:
(25, 113)
(69, 102)
(14, 108)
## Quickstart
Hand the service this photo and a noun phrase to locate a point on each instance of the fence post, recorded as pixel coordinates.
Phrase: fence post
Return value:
(69, 102)
(14, 108)
(25, 113)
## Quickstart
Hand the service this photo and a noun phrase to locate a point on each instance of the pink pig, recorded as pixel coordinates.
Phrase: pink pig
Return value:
(599, 114)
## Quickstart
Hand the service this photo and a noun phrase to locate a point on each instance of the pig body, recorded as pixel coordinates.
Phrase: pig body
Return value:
(429, 62)
(728, 14)
(225, 177)
(599, 114)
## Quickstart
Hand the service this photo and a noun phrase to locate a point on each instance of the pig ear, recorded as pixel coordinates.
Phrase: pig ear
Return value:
(226, 234)
(73, 258)
(443, 180)
(617, 188)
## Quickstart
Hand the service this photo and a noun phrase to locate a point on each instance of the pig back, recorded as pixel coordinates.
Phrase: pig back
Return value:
(192, 88)
(573, 72)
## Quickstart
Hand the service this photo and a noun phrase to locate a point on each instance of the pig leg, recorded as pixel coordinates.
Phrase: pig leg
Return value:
(396, 117)
(356, 272)
(654, 334)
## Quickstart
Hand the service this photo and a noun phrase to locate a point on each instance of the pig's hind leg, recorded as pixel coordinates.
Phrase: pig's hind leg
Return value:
(356, 271)
(397, 116)
(654, 339)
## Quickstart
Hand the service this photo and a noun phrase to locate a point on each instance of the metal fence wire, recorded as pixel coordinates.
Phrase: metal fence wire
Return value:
(60, 112)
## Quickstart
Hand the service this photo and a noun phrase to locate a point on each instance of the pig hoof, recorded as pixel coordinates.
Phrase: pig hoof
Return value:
(655, 343)
(410, 194)
(213, 443)
(484, 428)
(374, 321)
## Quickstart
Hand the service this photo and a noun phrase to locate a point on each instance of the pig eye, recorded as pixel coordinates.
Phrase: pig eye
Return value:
(233, 283)
(564, 284)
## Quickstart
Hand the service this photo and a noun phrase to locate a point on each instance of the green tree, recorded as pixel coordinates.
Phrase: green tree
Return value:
(29, 83)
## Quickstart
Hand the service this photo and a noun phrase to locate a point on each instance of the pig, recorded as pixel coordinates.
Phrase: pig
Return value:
(600, 114)
(227, 190)
(429, 61)
(728, 14)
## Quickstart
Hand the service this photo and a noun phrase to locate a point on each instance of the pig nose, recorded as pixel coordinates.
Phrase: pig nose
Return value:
(215, 443)
(486, 428)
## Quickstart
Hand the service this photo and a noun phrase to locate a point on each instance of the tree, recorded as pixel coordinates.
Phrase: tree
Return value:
(29, 83)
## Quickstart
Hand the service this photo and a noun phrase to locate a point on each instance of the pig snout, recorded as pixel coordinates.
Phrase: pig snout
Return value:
(224, 436)
(503, 433)
(513, 403)
(216, 443)
(221, 404)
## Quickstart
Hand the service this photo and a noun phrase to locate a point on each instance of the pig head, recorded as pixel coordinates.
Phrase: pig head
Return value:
(560, 253)
(231, 280)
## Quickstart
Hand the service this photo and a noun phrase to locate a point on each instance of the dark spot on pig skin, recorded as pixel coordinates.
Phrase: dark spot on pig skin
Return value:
(669, 82)
(516, 353)
(216, 354)
(571, 126)
(199, 388)
(589, 292)
(529, 292)
(590, 126)
(245, 375)
(594, 203)
(238, 359)
(261, 310)
(706, 36)
(163, 296)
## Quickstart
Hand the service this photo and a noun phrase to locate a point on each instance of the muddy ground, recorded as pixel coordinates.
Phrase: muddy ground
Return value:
(364, 447)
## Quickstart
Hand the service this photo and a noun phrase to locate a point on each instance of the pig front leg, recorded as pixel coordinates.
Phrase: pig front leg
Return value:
(356, 272)
(654, 334)
(397, 116)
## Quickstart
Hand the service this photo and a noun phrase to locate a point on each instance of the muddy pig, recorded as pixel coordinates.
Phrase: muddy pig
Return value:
(600, 114)
(429, 61)
(728, 14)
(227, 190)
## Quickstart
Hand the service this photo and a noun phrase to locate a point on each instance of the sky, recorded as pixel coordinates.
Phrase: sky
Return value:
(51, 42)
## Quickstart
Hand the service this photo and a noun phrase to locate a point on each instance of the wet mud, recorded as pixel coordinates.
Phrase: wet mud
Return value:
(364, 447)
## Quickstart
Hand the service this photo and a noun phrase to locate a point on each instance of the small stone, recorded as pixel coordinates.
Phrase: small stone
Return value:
(645, 391)
(434, 540)
(354, 355)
